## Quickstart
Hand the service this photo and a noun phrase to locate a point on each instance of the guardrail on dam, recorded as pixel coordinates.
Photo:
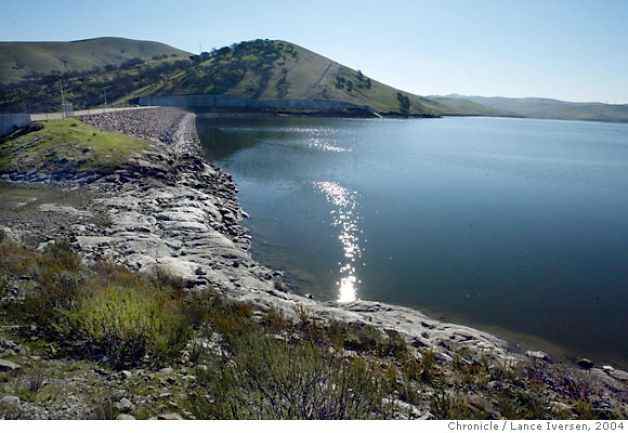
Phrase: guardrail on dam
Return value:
(233, 103)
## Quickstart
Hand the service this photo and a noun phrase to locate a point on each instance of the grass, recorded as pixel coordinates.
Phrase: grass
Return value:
(272, 379)
(256, 364)
(67, 144)
(104, 312)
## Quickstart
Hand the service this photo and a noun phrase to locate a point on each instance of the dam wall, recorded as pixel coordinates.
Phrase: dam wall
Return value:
(233, 103)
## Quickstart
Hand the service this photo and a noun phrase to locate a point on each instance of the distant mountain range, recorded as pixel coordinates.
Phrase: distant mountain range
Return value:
(538, 108)
(121, 69)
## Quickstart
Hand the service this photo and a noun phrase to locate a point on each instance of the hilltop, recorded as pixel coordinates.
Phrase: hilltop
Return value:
(20, 60)
(274, 69)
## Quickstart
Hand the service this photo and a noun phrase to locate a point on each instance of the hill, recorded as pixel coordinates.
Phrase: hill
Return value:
(273, 69)
(460, 106)
(19, 60)
(543, 108)
(255, 70)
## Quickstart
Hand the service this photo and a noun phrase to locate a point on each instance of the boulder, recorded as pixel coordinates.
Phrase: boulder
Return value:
(11, 401)
(124, 405)
(538, 355)
(585, 363)
(620, 375)
(175, 267)
(6, 365)
(8, 234)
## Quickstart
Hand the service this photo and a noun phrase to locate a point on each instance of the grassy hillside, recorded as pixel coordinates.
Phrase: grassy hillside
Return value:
(455, 106)
(543, 108)
(19, 60)
(259, 69)
(265, 69)
(84, 89)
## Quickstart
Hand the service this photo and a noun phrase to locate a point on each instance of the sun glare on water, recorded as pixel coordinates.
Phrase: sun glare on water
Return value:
(345, 216)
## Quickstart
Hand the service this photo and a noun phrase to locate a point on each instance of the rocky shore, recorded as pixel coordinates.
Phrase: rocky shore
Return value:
(170, 211)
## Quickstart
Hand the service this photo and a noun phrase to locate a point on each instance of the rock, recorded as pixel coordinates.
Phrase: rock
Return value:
(125, 417)
(8, 234)
(620, 375)
(444, 358)
(585, 363)
(10, 400)
(166, 370)
(124, 405)
(538, 355)
(125, 374)
(559, 407)
(6, 365)
(200, 271)
(64, 209)
(170, 416)
(174, 267)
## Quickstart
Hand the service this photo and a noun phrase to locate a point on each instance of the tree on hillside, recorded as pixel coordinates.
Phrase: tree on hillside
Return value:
(404, 104)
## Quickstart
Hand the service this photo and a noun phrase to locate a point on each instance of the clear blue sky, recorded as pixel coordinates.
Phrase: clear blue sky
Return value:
(573, 49)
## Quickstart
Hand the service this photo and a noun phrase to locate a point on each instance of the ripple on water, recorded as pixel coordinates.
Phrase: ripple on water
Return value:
(345, 216)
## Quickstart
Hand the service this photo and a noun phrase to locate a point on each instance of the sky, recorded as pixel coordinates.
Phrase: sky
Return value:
(573, 50)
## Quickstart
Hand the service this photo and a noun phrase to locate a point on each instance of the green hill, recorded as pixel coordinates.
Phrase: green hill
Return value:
(273, 69)
(19, 60)
(259, 69)
(543, 108)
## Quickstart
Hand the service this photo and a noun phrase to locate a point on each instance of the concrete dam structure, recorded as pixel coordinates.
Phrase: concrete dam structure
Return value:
(223, 103)
(12, 121)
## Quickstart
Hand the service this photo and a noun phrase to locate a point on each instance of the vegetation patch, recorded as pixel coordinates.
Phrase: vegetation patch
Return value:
(228, 360)
(67, 145)
(103, 312)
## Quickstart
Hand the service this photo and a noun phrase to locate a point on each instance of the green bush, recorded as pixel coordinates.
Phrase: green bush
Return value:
(126, 324)
(266, 378)
(102, 311)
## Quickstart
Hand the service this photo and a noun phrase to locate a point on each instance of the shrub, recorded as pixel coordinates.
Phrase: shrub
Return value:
(101, 311)
(449, 406)
(59, 256)
(126, 324)
(267, 378)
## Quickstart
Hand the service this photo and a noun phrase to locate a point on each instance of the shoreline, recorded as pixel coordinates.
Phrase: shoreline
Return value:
(169, 210)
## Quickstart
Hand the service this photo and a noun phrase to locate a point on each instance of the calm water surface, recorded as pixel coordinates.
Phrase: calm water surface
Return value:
(520, 225)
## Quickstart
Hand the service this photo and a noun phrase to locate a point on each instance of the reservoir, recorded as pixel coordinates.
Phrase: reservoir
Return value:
(517, 226)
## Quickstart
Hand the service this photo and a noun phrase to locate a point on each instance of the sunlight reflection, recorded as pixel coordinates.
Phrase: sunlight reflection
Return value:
(346, 217)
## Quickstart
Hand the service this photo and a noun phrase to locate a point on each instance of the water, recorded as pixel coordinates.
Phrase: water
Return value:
(508, 224)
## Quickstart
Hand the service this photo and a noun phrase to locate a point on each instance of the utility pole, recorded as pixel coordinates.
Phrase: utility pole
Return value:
(62, 100)
(104, 90)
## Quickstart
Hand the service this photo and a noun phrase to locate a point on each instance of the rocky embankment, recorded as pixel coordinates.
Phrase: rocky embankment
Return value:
(169, 210)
